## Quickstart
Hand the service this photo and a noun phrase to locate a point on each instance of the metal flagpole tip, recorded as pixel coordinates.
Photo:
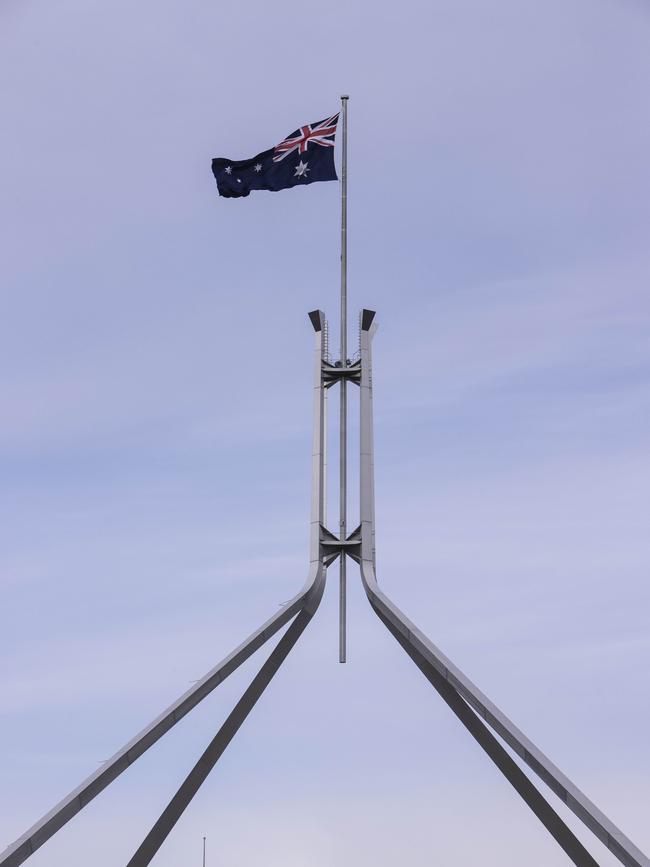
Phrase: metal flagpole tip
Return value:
(344, 96)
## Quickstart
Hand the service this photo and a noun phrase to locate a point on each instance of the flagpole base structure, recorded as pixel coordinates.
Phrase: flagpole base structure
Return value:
(490, 727)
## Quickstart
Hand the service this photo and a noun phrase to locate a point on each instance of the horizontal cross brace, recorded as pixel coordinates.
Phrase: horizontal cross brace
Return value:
(333, 373)
(333, 547)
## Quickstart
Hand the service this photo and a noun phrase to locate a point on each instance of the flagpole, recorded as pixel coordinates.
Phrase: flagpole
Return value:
(343, 447)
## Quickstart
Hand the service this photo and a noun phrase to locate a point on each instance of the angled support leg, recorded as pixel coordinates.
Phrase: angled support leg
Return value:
(19, 851)
(457, 689)
(561, 833)
(65, 810)
(199, 773)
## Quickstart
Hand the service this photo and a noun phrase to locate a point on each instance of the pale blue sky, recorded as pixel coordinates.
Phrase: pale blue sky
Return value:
(155, 411)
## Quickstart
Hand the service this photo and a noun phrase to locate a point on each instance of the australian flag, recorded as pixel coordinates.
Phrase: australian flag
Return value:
(305, 156)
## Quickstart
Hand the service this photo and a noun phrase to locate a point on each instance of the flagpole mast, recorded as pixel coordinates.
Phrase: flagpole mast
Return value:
(343, 446)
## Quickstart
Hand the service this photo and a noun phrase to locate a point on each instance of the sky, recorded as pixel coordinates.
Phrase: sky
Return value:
(155, 412)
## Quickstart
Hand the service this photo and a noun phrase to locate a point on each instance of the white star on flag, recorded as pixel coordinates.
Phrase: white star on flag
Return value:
(301, 170)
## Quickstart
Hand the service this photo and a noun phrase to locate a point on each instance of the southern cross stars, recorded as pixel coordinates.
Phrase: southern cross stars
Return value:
(301, 170)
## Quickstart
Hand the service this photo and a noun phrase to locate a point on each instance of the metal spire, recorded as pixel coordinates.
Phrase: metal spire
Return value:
(343, 435)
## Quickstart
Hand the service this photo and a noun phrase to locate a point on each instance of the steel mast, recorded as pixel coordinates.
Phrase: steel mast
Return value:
(343, 433)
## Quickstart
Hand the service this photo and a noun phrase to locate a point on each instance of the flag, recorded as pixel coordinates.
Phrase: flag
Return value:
(305, 156)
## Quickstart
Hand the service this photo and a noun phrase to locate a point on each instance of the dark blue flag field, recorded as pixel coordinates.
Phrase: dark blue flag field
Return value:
(305, 156)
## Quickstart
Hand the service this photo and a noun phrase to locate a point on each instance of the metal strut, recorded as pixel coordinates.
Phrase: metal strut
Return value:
(215, 749)
(303, 605)
(472, 707)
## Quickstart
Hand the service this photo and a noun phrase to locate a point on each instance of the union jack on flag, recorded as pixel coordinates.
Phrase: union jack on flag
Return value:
(321, 133)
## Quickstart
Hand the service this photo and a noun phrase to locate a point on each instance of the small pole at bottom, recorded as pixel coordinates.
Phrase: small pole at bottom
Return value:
(204, 852)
